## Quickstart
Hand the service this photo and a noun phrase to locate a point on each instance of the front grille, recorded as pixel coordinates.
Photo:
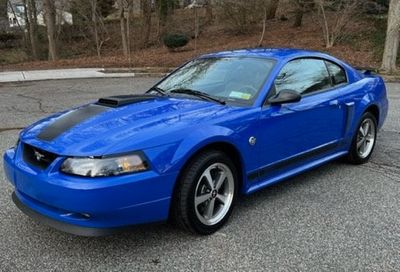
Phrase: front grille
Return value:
(37, 157)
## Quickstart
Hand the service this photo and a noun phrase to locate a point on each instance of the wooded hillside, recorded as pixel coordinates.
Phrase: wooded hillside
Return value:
(136, 33)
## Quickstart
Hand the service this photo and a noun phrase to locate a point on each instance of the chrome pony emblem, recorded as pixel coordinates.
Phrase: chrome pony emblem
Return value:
(39, 156)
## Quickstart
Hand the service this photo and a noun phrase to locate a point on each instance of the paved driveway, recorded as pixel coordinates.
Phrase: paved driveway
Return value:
(338, 217)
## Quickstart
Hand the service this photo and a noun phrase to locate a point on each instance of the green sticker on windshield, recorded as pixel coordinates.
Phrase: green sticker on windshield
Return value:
(240, 95)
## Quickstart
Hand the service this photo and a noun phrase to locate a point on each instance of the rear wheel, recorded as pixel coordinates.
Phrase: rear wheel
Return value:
(364, 140)
(206, 193)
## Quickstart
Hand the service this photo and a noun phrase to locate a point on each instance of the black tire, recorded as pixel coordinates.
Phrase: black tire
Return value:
(354, 156)
(183, 211)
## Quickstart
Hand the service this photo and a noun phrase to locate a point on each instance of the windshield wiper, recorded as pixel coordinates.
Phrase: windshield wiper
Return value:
(158, 90)
(198, 94)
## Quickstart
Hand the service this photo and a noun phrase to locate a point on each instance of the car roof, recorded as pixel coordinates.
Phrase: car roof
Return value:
(274, 53)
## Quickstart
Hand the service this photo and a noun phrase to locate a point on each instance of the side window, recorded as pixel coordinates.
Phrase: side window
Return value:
(303, 76)
(337, 73)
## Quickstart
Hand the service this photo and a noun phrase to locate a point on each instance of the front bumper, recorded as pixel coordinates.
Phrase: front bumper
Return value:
(85, 206)
(62, 226)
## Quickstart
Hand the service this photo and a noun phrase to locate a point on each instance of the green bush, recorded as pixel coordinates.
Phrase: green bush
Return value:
(7, 37)
(173, 41)
(9, 40)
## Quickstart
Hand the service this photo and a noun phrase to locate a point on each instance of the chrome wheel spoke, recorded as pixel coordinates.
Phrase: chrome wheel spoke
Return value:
(201, 199)
(222, 198)
(207, 176)
(366, 129)
(210, 209)
(360, 142)
(363, 147)
(362, 131)
(220, 181)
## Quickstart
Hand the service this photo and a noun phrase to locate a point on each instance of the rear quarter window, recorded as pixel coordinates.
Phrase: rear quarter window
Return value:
(337, 73)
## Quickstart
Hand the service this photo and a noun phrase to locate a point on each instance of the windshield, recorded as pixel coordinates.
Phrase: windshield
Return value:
(231, 79)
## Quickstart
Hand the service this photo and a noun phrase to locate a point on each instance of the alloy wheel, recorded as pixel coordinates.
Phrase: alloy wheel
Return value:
(366, 138)
(214, 194)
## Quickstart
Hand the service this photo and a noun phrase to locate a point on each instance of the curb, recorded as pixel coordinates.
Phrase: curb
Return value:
(81, 73)
(391, 79)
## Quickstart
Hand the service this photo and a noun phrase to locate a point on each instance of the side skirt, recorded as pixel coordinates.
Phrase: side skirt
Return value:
(293, 172)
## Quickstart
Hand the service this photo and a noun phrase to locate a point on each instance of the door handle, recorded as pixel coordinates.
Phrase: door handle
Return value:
(334, 103)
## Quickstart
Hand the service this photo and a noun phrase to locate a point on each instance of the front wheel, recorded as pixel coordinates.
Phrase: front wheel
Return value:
(206, 192)
(364, 140)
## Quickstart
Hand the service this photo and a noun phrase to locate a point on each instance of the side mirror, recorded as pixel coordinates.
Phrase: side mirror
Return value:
(285, 96)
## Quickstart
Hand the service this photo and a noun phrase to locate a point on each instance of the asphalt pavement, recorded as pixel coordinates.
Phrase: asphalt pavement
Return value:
(338, 217)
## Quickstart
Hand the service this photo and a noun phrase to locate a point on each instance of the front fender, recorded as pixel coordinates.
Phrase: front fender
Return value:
(200, 139)
(172, 157)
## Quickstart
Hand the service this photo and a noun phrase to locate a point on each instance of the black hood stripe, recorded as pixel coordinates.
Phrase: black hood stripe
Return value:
(70, 120)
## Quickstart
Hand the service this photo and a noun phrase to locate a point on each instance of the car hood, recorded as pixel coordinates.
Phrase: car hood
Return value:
(135, 126)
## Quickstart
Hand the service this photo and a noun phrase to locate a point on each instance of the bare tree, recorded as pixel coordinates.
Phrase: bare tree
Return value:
(50, 17)
(146, 10)
(273, 7)
(122, 19)
(128, 28)
(93, 5)
(240, 15)
(260, 42)
(196, 26)
(209, 11)
(4, 24)
(299, 13)
(392, 38)
(344, 12)
(99, 31)
(302, 6)
(31, 22)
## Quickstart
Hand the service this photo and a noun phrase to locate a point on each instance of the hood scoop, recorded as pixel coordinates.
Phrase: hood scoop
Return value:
(122, 100)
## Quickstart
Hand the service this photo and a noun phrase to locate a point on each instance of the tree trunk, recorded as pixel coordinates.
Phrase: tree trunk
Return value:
(128, 31)
(158, 11)
(209, 12)
(392, 38)
(273, 6)
(146, 7)
(122, 21)
(325, 26)
(4, 24)
(298, 20)
(163, 11)
(27, 26)
(95, 27)
(264, 27)
(32, 19)
(196, 27)
(50, 18)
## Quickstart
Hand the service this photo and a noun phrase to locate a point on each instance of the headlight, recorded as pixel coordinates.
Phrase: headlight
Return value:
(106, 166)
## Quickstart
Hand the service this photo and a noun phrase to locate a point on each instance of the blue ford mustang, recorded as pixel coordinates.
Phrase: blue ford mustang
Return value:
(223, 124)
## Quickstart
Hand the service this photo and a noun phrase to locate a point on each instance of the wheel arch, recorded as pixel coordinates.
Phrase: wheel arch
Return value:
(374, 110)
(226, 147)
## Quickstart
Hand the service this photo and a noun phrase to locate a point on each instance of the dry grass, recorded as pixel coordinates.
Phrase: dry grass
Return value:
(356, 50)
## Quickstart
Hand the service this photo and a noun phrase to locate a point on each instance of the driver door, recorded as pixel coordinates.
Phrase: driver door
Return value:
(300, 131)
